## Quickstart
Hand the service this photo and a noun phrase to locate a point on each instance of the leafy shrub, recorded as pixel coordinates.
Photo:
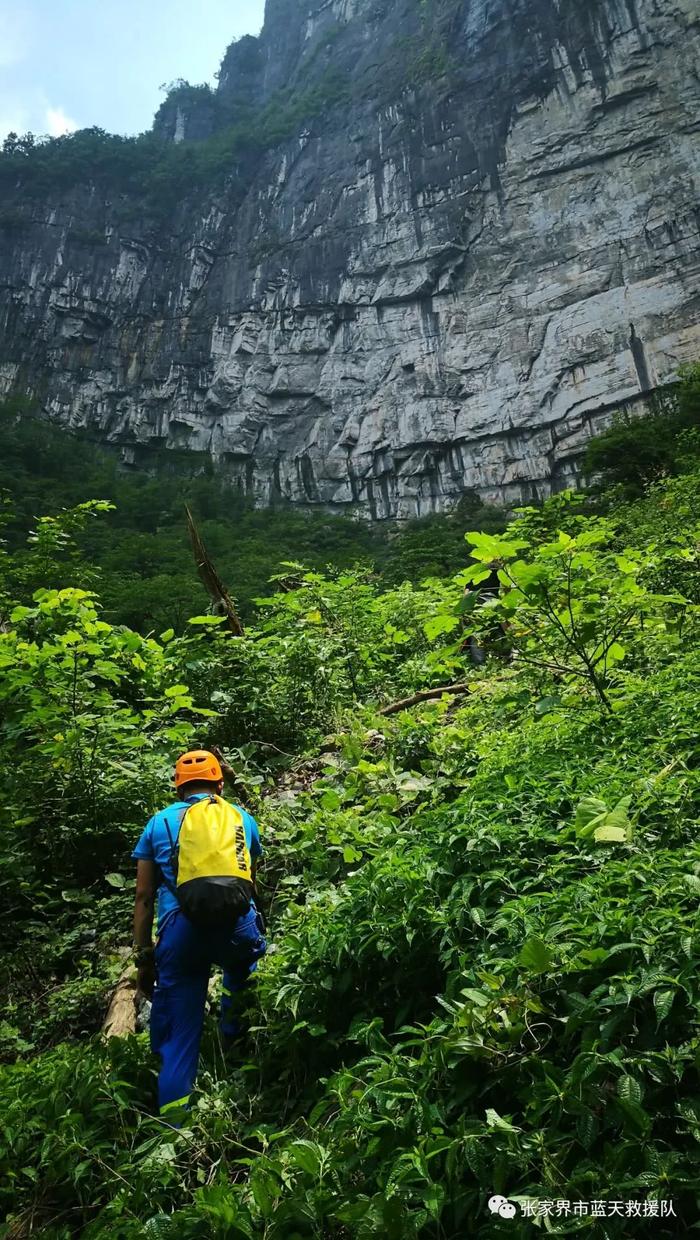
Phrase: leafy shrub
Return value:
(636, 451)
(571, 604)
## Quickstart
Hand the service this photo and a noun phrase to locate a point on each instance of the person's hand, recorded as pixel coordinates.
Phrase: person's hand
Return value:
(146, 978)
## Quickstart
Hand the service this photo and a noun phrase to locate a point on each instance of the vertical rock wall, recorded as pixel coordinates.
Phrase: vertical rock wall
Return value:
(448, 283)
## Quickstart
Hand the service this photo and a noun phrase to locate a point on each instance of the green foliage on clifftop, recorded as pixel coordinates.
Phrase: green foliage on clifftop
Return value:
(156, 171)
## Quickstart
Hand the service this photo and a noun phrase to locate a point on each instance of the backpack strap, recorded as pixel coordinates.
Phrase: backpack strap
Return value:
(188, 803)
(170, 838)
(173, 851)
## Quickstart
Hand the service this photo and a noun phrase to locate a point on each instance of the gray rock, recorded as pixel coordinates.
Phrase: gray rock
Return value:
(432, 289)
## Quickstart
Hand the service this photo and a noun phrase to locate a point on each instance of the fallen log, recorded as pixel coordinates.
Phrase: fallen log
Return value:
(425, 695)
(122, 1012)
(129, 1011)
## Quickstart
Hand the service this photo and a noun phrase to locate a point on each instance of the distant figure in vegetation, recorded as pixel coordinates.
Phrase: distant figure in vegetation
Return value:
(495, 640)
(199, 855)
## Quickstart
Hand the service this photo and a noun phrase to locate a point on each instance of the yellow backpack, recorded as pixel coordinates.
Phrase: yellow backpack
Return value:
(211, 863)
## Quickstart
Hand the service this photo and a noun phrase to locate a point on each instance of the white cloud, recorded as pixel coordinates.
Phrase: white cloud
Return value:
(33, 112)
(57, 123)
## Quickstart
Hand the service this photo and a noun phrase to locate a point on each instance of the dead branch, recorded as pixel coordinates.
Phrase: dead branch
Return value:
(210, 579)
(424, 696)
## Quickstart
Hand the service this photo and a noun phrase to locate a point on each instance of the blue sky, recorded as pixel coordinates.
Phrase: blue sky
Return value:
(66, 64)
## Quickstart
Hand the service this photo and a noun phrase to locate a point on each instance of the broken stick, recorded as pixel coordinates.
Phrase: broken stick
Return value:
(424, 696)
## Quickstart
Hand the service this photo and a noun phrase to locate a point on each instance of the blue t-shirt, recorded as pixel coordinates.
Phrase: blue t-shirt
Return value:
(154, 845)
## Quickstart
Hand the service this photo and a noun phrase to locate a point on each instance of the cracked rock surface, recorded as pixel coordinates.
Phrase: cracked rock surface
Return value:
(411, 298)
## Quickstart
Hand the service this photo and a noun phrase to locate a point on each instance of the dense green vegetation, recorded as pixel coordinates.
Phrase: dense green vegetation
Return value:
(634, 452)
(140, 555)
(483, 905)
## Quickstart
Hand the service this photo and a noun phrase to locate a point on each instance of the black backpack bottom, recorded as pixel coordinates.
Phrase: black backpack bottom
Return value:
(215, 903)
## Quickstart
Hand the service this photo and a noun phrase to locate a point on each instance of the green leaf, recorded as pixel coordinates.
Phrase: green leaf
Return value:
(610, 835)
(307, 1155)
(618, 817)
(493, 547)
(527, 575)
(477, 997)
(589, 814)
(595, 820)
(76, 897)
(116, 880)
(629, 1089)
(330, 800)
(350, 855)
(640, 1121)
(616, 652)
(546, 705)
(440, 624)
(594, 955)
(469, 601)
(663, 1002)
(264, 1190)
(536, 956)
(494, 1120)
(586, 1128)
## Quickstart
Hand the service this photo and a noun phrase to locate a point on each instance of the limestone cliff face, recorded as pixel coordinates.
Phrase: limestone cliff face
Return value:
(434, 287)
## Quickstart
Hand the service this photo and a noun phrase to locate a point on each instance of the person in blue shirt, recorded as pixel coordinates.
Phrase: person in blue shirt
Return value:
(175, 973)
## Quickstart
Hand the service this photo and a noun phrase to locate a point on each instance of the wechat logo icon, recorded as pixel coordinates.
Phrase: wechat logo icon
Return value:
(501, 1206)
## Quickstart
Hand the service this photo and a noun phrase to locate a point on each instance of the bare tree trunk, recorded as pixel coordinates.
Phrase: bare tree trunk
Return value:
(210, 579)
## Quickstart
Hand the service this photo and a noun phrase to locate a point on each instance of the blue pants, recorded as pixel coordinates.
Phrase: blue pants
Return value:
(184, 957)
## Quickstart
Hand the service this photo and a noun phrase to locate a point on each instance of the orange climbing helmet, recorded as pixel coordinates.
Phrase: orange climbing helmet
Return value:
(197, 764)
